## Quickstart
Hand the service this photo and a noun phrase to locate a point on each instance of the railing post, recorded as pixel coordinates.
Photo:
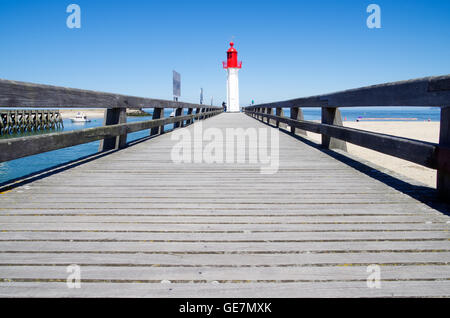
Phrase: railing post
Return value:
(114, 116)
(178, 113)
(443, 177)
(189, 121)
(280, 113)
(197, 111)
(202, 116)
(297, 114)
(269, 120)
(264, 118)
(332, 116)
(158, 113)
(277, 113)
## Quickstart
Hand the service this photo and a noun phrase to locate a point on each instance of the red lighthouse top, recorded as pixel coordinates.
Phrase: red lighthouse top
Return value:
(232, 61)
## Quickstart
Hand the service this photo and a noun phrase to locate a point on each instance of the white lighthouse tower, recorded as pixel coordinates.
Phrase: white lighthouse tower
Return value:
(232, 65)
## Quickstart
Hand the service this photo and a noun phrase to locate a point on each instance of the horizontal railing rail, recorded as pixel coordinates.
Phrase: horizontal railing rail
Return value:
(429, 92)
(113, 134)
(22, 95)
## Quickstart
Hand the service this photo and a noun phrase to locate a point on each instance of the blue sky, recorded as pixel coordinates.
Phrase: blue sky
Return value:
(289, 48)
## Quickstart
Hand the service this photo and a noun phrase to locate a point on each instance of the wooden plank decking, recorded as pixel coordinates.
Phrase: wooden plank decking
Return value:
(134, 220)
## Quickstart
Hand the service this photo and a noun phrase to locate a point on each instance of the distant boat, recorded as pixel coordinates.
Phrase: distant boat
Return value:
(172, 114)
(80, 118)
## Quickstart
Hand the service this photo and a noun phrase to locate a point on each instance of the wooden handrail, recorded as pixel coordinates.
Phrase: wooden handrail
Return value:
(20, 147)
(428, 91)
(417, 151)
(25, 95)
(113, 134)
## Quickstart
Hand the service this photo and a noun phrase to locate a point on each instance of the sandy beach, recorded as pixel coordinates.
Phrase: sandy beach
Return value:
(426, 131)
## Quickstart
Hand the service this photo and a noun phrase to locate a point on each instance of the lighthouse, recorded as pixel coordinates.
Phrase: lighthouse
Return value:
(232, 65)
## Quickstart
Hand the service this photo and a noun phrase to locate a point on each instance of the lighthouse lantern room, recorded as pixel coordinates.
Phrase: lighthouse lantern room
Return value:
(232, 65)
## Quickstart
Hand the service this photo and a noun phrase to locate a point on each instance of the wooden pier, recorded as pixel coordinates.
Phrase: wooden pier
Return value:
(19, 121)
(139, 224)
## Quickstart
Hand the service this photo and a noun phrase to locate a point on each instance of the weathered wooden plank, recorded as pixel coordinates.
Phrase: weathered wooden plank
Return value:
(225, 236)
(227, 194)
(224, 247)
(340, 204)
(229, 260)
(299, 210)
(311, 178)
(141, 192)
(232, 290)
(5, 219)
(223, 202)
(209, 227)
(199, 273)
(282, 198)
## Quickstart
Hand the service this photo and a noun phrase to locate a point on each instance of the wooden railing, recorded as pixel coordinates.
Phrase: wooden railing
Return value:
(113, 134)
(429, 91)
